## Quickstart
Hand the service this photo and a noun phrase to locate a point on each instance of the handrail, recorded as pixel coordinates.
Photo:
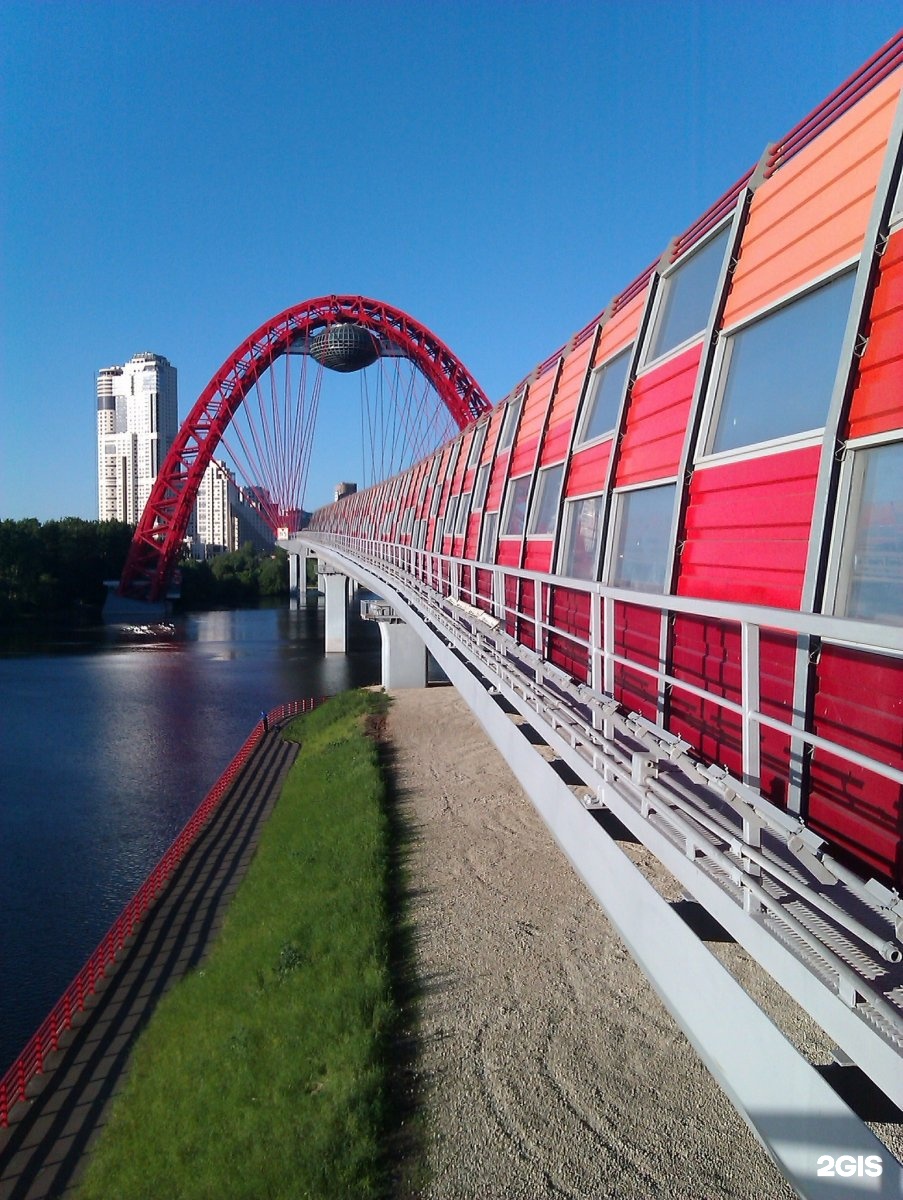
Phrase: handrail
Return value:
(598, 728)
(868, 635)
(442, 575)
(74, 999)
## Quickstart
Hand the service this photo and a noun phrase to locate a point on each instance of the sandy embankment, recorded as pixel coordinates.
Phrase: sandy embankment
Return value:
(549, 1067)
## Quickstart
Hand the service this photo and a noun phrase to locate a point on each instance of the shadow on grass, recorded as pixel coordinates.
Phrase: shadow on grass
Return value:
(405, 1137)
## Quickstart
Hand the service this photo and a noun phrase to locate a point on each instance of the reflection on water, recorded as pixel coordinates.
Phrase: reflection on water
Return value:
(110, 737)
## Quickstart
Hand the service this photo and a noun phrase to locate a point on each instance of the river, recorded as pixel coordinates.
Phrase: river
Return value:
(110, 737)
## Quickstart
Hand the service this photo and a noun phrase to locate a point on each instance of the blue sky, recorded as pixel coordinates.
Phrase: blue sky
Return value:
(175, 173)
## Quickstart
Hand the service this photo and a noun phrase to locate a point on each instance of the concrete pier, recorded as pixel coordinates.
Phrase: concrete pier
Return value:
(334, 586)
(404, 658)
(295, 581)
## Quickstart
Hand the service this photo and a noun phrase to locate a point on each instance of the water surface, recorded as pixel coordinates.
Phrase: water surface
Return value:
(109, 739)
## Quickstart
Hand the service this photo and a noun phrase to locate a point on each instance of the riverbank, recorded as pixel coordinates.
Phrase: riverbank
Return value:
(143, 721)
(545, 1064)
(265, 1071)
(85, 1045)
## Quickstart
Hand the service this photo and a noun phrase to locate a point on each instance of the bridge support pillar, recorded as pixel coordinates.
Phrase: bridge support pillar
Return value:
(295, 582)
(335, 588)
(403, 652)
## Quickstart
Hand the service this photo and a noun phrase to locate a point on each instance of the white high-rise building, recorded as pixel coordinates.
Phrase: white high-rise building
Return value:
(137, 422)
(226, 515)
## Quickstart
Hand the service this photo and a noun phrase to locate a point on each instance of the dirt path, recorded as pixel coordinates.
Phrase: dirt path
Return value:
(549, 1066)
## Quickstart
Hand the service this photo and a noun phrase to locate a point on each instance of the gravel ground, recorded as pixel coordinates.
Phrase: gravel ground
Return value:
(548, 1065)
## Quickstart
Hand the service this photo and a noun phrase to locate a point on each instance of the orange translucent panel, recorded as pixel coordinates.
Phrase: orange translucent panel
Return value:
(811, 215)
(526, 442)
(620, 329)
(564, 404)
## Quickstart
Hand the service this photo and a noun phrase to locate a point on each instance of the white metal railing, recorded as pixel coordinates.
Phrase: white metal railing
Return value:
(629, 747)
(444, 574)
(827, 934)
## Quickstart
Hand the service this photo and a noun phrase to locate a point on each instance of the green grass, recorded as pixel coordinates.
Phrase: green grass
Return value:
(266, 1073)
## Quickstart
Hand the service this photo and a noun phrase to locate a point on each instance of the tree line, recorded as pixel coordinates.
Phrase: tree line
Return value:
(236, 578)
(57, 566)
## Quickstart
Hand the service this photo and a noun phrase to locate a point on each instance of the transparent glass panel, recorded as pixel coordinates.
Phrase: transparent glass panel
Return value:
(643, 538)
(582, 534)
(438, 534)
(509, 425)
(897, 210)
(780, 370)
(452, 464)
(489, 537)
(688, 296)
(480, 487)
(476, 446)
(451, 516)
(516, 507)
(545, 501)
(463, 514)
(872, 559)
(436, 498)
(606, 390)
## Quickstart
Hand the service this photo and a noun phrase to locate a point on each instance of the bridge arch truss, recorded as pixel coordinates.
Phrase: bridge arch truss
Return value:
(158, 539)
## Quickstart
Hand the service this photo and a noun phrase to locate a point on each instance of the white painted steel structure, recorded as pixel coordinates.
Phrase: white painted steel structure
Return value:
(829, 937)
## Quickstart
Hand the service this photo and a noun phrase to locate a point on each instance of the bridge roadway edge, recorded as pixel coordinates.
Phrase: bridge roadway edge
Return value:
(794, 1113)
(44, 1149)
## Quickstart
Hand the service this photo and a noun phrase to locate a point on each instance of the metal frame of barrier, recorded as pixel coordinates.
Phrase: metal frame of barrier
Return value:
(828, 936)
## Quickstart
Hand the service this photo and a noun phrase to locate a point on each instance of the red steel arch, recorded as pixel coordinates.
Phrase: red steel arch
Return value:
(155, 547)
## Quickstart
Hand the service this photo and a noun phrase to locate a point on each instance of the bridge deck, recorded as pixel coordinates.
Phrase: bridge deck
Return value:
(42, 1151)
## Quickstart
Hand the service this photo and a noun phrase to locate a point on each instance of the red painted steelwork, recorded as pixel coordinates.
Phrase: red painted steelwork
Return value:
(875, 407)
(158, 538)
(30, 1063)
